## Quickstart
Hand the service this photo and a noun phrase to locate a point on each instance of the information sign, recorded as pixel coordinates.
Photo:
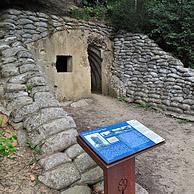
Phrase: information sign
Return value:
(115, 142)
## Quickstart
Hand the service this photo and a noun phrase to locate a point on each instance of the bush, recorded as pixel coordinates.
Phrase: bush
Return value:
(7, 140)
(90, 13)
(127, 15)
(170, 24)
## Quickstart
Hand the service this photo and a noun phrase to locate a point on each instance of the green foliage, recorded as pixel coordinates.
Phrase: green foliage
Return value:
(128, 15)
(170, 24)
(122, 14)
(143, 105)
(83, 14)
(6, 143)
(35, 149)
(29, 89)
(93, 3)
(121, 98)
(90, 13)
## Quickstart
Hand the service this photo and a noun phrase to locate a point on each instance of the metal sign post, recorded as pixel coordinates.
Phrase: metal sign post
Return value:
(104, 146)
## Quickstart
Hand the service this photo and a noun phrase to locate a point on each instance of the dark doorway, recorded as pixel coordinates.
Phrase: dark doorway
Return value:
(95, 60)
(64, 63)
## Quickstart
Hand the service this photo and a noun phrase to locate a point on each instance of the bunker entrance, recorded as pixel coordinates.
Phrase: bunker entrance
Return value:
(95, 60)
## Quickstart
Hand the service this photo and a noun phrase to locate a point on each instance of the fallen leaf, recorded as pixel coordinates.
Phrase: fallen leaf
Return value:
(32, 177)
(14, 143)
(8, 135)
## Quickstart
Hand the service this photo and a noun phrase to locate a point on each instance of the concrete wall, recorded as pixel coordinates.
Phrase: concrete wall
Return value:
(75, 84)
(145, 73)
(66, 85)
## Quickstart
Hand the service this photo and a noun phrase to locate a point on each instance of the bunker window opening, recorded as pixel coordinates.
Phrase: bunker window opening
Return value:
(64, 63)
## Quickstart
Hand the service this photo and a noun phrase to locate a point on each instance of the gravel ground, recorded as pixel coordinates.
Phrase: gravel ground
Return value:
(166, 169)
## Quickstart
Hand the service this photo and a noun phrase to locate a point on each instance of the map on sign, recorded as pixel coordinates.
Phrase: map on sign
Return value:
(114, 142)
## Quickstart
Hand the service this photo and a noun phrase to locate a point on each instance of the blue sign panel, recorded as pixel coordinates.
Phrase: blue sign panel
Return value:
(114, 142)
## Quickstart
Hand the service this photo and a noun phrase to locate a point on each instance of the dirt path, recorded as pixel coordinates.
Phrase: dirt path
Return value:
(18, 174)
(167, 169)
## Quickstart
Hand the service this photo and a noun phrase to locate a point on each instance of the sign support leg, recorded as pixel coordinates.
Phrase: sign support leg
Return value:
(120, 178)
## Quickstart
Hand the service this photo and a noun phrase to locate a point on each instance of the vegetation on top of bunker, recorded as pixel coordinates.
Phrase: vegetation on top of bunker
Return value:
(169, 23)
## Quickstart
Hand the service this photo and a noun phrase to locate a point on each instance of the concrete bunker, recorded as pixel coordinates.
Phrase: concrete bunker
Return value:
(75, 63)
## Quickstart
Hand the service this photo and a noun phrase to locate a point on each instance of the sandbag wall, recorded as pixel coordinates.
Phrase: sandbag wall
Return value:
(145, 73)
